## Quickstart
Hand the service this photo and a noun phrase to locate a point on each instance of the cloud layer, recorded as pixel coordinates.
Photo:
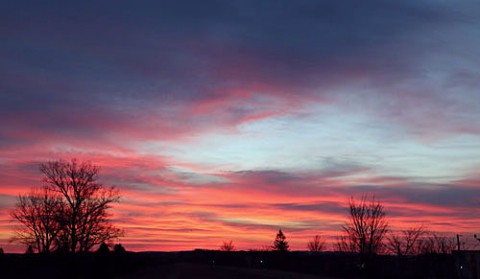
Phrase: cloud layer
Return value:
(229, 120)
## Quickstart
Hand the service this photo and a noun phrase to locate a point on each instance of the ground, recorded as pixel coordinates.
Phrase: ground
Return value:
(191, 271)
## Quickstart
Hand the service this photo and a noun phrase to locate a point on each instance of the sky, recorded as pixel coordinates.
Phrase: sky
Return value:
(228, 120)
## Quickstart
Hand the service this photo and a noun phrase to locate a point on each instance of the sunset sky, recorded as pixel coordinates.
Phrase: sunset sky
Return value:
(227, 120)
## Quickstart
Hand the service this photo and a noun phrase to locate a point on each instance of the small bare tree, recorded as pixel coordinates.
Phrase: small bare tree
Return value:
(317, 244)
(41, 224)
(366, 228)
(435, 243)
(407, 242)
(227, 246)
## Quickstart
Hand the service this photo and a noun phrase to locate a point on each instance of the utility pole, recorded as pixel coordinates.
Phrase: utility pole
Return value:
(458, 242)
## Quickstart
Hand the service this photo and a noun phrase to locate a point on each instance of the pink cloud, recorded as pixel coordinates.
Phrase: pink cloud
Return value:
(161, 211)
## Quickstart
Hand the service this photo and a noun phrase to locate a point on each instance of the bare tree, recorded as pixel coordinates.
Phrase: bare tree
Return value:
(366, 228)
(227, 246)
(435, 243)
(280, 243)
(407, 242)
(86, 219)
(317, 244)
(38, 214)
(72, 212)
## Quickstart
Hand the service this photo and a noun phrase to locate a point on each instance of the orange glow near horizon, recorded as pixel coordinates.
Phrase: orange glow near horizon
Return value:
(167, 214)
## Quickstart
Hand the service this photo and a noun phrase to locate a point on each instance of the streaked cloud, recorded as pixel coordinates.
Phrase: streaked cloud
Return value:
(223, 120)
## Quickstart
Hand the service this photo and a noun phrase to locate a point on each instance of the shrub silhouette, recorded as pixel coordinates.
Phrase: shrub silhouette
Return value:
(103, 248)
(227, 246)
(118, 249)
(317, 244)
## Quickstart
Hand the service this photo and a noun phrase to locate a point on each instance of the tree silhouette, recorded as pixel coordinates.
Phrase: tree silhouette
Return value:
(366, 228)
(71, 212)
(227, 246)
(103, 248)
(407, 242)
(85, 218)
(119, 249)
(38, 212)
(317, 244)
(280, 244)
(436, 244)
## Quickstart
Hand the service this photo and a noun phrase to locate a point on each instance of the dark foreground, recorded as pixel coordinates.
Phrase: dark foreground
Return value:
(190, 270)
(231, 265)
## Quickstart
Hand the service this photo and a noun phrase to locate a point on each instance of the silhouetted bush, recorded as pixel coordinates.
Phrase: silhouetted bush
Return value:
(103, 249)
(227, 246)
(119, 249)
(317, 244)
